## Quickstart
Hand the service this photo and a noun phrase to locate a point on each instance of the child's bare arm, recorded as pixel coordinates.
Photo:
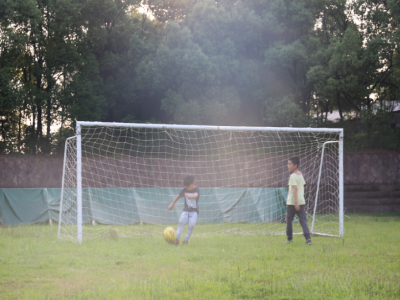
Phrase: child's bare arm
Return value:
(191, 196)
(295, 194)
(171, 206)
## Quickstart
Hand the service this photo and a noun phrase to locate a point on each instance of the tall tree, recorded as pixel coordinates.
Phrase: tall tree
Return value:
(68, 60)
(356, 55)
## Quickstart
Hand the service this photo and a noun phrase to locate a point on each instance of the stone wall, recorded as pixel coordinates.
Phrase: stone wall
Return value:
(42, 171)
(30, 171)
(372, 168)
(250, 171)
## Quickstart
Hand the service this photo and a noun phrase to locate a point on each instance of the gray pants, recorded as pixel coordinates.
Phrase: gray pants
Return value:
(290, 212)
(186, 217)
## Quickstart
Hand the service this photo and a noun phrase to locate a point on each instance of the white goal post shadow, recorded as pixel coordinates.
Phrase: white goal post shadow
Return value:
(80, 124)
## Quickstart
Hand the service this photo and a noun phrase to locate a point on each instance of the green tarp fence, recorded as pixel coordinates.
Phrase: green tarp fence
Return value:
(126, 206)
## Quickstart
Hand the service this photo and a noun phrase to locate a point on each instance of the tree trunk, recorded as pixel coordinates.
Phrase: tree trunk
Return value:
(2, 129)
(48, 107)
(339, 107)
(39, 132)
(38, 77)
(369, 124)
(326, 114)
(62, 122)
(19, 130)
(33, 119)
(48, 117)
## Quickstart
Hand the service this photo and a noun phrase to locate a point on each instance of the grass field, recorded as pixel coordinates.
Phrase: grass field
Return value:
(363, 265)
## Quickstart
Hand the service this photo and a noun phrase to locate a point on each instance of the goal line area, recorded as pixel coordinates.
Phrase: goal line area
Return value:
(122, 177)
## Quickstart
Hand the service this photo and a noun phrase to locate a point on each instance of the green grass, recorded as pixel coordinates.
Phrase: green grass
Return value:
(363, 265)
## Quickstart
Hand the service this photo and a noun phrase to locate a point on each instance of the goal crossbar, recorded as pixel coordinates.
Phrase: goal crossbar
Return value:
(206, 127)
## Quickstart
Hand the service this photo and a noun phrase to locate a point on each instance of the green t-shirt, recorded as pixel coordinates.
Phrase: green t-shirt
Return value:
(300, 182)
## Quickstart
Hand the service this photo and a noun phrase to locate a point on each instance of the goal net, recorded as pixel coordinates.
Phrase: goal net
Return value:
(119, 179)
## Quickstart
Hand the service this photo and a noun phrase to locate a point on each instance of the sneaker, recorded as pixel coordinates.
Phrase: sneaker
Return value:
(185, 243)
(176, 243)
(288, 242)
(308, 242)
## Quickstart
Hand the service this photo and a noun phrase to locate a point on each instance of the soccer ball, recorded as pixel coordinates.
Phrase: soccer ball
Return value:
(169, 235)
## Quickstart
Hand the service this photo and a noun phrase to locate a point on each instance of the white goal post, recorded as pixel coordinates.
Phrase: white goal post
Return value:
(122, 176)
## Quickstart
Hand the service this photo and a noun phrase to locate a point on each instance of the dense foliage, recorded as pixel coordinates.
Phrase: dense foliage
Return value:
(244, 62)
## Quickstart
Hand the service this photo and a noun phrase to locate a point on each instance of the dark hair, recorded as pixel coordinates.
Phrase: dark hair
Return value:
(188, 180)
(295, 160)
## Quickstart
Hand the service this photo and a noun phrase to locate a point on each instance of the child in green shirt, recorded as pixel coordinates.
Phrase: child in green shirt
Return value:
(295, 201)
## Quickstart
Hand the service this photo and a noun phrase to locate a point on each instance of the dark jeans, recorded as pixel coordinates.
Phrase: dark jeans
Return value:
(290, 212)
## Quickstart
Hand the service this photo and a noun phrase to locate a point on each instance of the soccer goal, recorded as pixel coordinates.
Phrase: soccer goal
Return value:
(118, 179)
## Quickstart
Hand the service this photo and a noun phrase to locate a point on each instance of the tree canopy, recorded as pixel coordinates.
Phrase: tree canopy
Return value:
(230, 62)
